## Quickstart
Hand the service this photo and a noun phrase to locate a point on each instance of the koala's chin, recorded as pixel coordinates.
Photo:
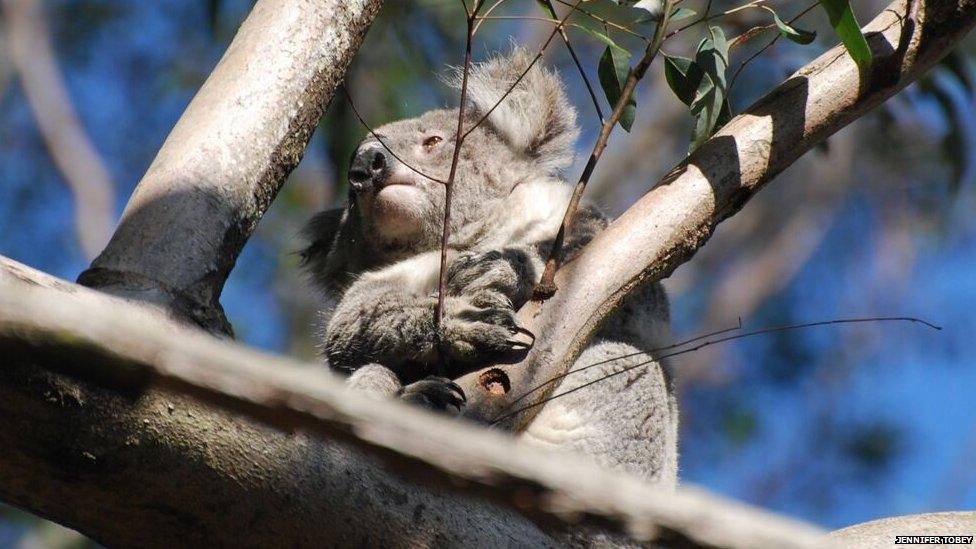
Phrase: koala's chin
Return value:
(397, 211)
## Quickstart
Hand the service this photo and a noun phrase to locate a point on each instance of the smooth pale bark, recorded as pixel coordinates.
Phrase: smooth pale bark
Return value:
(229, 154)
(160, 458)
(665, 227)
(881, 533)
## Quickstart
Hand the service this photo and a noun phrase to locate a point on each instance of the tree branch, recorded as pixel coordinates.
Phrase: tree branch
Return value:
(225, 160)
(667, 226)
(882, 532)
(149, 465)
(146, 463)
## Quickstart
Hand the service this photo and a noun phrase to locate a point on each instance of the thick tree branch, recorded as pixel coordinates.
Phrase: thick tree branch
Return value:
(667, 226)
(151, 465)
(225, 160)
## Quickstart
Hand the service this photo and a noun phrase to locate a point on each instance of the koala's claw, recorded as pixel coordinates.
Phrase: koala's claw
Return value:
(484, 331)
(434, 392)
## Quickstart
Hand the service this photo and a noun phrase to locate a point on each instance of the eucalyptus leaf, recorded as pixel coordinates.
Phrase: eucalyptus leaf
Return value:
(706, 110)
(845, 25)
(713, 56)
(606, 40)
(683, 76)
(709, 104)
(682, 13)
(613, 72)
(547, 7)
(794, 34)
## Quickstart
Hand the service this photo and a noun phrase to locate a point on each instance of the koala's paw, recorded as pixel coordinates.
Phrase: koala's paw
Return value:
(498, 271)
(481, 328)
(437, 393)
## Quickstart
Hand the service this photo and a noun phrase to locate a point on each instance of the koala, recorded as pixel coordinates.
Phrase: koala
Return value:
(378, 262)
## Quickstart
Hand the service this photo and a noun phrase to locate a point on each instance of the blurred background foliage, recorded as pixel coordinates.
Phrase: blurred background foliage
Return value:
(835, 425)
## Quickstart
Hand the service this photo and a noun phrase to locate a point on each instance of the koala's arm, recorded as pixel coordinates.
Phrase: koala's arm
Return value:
(380, 318)
(515, 268)
(388, 317)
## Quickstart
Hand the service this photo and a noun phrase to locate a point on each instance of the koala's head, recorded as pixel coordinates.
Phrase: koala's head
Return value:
(397, 174)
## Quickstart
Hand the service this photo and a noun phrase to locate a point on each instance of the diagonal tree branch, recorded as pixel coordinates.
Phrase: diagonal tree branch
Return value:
(225, 160)
(102, 479)
(673, 220)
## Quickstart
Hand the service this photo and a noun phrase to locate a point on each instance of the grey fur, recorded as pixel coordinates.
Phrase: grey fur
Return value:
(378, 261)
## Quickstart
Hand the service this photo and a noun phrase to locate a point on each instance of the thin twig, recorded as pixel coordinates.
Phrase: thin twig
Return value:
(579, 65)
(706, 17)
(482, 18)
(709, 343)
(742, 66)
(449, 185)
(565, 37)
(547, 286)
(621, 357)
(382, 143)
(521, 76)
(603, 20)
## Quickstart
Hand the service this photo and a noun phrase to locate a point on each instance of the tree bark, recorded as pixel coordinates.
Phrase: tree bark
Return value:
(132, 461)
(88, 457)
(882, 532)
(228, 156)
(665, 227)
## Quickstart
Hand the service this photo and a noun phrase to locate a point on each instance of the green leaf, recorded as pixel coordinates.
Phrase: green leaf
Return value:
(682, 13)
(713, 56)
(794, 34)
(683, 76)
(845, 25)
(547, 7)
(720, 43)
(706, 110)
(709, 106)
(613, 72)
(605, 39)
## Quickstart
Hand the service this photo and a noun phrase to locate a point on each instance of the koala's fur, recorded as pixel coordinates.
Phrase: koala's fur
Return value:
(378, 260)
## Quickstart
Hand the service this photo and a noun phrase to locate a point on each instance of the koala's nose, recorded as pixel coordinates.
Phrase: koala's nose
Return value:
(369, 165)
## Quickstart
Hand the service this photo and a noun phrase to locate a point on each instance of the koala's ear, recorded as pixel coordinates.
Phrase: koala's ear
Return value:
(327, 255)
(536, 118)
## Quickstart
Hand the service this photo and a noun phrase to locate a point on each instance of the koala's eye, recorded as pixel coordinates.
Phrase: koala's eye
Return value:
(432, 142)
